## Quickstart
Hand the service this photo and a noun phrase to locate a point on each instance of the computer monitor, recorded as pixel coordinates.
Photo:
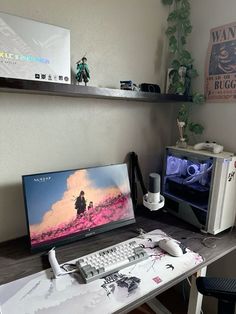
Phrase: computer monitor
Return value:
(64, 206)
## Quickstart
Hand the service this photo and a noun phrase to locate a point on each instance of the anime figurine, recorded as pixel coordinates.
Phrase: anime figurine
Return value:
(82, 71)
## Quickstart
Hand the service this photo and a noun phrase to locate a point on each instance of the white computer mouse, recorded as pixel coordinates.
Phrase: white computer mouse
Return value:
(171, 246)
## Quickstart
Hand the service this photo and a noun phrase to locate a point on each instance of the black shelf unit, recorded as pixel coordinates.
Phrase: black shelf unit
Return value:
(69, 90)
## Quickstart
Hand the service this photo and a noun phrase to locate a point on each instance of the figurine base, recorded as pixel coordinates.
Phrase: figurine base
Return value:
(181, 143)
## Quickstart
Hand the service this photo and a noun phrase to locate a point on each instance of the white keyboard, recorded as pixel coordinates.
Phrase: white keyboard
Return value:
(109, 260)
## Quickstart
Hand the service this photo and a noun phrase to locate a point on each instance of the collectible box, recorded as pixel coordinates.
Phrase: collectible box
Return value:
(32, 50)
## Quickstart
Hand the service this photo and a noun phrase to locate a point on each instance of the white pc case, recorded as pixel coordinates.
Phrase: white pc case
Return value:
(200, 187)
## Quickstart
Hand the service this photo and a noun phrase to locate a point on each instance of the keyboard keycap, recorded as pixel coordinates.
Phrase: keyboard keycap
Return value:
(110, 260)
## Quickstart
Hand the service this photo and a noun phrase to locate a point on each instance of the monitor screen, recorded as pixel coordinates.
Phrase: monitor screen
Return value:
(64, 206)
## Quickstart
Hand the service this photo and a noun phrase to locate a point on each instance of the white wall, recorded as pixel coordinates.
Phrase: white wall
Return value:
(218, 118)
(123, 40)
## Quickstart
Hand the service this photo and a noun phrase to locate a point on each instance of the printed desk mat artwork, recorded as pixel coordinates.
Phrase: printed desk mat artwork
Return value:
(40, 293)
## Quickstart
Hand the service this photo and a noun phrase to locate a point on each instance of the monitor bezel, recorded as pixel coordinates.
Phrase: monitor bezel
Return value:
(82, 234)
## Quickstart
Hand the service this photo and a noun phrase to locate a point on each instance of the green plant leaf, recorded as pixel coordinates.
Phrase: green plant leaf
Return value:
(186, 54)
(195, 128)
(175, 64)
(186, 4)
(172, 73)
(192, 73)
(183, 14)
(178, 30)
(185, 58)
(171, 30)
(167, 2)
(173, 44)
(172, 16)
(187, 84)
(183, 114)
(171, 89)
(186, 28)
(180, 88)
(198, 99)
(174, 76)
(183, 40)
(174, 80)
(186, 137)
(173, 48)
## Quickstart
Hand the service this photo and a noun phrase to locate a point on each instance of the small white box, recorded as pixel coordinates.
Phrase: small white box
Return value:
(32, 50)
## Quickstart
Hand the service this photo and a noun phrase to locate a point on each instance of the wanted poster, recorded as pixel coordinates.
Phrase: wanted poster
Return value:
(220, 78)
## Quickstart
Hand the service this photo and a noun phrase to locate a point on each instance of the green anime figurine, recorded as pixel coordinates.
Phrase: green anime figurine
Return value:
(82, 71)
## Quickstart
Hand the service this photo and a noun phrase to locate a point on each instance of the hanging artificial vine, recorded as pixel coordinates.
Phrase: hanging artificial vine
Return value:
(182, 67)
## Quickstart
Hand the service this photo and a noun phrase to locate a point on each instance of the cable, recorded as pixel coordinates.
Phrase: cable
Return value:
(69, 264)
(204, 241)
(67, 269)
(213, 246)
(142, 233)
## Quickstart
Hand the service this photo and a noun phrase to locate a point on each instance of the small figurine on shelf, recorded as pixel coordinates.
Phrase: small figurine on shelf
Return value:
(82, 71)
(182, 140)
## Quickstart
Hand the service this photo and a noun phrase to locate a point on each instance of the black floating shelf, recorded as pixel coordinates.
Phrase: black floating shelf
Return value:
(69, 90)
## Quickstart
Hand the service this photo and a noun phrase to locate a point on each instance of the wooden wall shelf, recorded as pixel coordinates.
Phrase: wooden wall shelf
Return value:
(68, 90)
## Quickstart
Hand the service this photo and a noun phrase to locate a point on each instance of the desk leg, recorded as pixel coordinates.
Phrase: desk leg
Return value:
(195, 298)
(157, 307)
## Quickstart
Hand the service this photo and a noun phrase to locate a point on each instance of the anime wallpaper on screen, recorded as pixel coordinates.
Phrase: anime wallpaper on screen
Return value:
(64, 204)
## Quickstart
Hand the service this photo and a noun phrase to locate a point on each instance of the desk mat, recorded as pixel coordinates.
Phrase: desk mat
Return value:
(40, 293)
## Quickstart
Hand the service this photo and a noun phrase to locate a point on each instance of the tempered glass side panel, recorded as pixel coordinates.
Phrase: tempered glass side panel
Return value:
(188, 178)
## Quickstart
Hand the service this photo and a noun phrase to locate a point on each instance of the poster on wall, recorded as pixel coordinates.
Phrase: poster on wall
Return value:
(32, 50)
(220, 81)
